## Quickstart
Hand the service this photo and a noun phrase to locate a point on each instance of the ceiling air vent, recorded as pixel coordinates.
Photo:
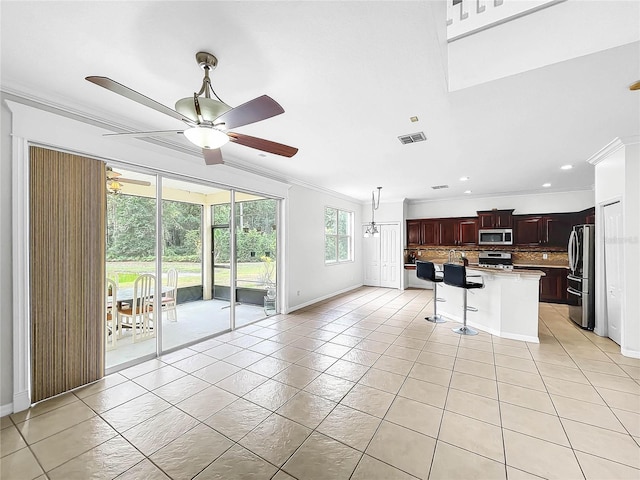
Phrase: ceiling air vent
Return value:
(439, 187)
(412, 138)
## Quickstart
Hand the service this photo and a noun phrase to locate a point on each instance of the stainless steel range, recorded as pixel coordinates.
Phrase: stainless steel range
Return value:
(492, 259)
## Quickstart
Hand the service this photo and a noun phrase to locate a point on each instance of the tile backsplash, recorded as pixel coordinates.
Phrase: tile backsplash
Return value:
(522, 257)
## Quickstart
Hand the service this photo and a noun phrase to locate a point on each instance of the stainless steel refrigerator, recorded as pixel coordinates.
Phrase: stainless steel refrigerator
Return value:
(581, 278)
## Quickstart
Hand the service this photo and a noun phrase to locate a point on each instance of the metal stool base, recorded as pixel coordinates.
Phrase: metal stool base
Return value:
(464, 330)
(435, 319)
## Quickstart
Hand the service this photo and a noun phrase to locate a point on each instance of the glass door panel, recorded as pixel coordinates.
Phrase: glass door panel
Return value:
(130, 253)
(189, 312)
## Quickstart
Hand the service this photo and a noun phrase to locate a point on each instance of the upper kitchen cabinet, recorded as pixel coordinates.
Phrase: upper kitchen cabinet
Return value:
(413, 233)
(543, 230)
(429, 232)
(495, 219)
(468, 231)
(442, 231)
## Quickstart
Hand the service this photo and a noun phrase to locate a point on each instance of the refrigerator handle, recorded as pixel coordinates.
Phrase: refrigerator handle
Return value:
(573, 291)
(570, 250)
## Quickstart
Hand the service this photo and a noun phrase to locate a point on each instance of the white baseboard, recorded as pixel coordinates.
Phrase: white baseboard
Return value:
(6, 409)
(324, 297)
(21, 401)
(630, 353)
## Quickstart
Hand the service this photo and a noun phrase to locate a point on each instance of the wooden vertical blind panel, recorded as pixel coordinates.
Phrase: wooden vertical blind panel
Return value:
(67, 250)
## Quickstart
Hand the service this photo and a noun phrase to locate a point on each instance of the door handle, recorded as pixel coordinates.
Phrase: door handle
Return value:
(574, 278)
(575, 292)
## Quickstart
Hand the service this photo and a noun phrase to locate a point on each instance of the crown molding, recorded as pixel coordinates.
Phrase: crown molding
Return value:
(612, 147)
(499, 195)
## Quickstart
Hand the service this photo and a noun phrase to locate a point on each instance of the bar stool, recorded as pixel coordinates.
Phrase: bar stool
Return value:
(427, 271)
(456, 276)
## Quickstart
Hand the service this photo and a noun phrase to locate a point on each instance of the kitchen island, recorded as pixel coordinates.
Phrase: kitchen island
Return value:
(507, 305)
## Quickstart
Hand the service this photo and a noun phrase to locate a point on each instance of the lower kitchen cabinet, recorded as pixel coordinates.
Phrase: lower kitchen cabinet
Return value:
(553, 286)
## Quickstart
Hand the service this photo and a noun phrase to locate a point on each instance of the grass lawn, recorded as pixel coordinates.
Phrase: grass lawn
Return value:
(250, 275)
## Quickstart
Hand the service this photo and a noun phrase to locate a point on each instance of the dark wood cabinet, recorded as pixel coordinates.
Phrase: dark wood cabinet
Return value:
(429, 232)
(495, 219)
(543, 230)
(553, 286)
(442, 231)
(468, 232)
(528, 230)
(414, 232)
(447, 231)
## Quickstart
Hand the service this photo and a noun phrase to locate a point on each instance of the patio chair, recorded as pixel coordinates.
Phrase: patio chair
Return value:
(112, 315)
(138, 315)
(169, 297)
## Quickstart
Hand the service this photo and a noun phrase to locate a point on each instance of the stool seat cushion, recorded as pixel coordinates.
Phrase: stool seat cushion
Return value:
(427, 271)
(456, 276)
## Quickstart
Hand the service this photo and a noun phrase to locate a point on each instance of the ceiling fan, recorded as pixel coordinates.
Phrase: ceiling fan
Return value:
(208, 120)
(115, 181)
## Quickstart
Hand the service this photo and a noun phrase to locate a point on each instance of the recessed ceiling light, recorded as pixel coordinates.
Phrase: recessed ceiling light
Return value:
(566, 167)
(413, 119)
(464, 179)
(262, 155)
(467, 192)
(546, 185)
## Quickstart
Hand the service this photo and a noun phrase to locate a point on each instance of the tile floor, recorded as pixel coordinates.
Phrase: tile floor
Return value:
(358, 387)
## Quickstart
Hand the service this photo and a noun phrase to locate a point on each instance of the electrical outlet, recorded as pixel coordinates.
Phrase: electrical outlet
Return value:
(298, 293)
(545, 256)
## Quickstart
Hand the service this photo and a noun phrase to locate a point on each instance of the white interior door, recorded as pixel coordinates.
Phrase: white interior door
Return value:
(371, 257)
(390, 264)
(613, 258)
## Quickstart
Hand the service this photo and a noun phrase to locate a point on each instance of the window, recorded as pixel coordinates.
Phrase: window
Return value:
(338, 234)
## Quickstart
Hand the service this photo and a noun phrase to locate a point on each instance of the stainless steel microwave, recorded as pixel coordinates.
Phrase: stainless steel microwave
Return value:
(495, 236)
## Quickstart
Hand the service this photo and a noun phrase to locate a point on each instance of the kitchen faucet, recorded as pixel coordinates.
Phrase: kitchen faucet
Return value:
(452, 254)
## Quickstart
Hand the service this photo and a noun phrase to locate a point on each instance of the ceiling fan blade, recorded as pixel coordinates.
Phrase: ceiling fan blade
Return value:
(156, 133)
(120, 89)
(134, 182)
(253, 111)
(212, 156)
(262, 144)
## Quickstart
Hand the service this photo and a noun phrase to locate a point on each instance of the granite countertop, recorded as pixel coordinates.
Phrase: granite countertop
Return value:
(497, 271)
(518, 265)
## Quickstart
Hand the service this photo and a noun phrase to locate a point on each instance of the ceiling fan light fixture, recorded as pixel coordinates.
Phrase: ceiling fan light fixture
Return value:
(206, 137)
(209, 107)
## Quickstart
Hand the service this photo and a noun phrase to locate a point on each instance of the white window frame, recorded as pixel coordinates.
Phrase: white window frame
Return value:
(337, 236)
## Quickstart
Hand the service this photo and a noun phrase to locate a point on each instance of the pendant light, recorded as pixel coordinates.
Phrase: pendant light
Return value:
(372, 230)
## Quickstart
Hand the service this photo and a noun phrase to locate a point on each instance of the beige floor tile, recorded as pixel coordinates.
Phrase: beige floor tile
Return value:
(630, 420)
(114, 396)
(347, 370)
(44, 407)
(237, 419)
(441, 348)
(5, 422)
(271, 394)
(238, 463)
(206, 345)
(369, 400)
(177, 355)
(142, 368)
(145, 470)
(297, 376)
(516, 363)
(429, 373)
(404, 353)
(417, 416)
(330, 387)
(346, 340)
(19, 465)
(621, 400)
(290, 353)
(309, 344)
(382, 380)
(95, 387)
(474, 384)
(275, 439)
(436, 359)
(159, 377)
(43, 426)
(564, 373)
(370, 468)
(471, 367)
(613, 382)
(266, 347)
(223, 351)
(516, 474)
(282, 475)
(309, 462)
(475, 406)
(361, 357)
(349, 426)
(424, 392)
(332, 350)
(561, 359)
(578, 391)
(207, 402)
(61, 447)
(393, 364)
(190, 453)
(522, 379)
(382, 337)
(373, 346)
(473, 435)
(632, 370)
(268, 366)
(194, 362)
(216, 371)
(475, 355)
(105, 461)
(597, 415)
(156, 432)
(539, 457)
(525, 397)
(618, 447)
(307, 409)
(135, 411)
(596, 468)
(10, 441)
(410, 342)
(620, 359)
(316, 361)
(453, 463)
(245, 341)
(403, 448)
(242, 382)
(512, 351)
(608, 367)
(533, 423)
(181, 389)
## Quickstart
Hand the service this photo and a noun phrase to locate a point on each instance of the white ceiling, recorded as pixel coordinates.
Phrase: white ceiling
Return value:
(348, 74)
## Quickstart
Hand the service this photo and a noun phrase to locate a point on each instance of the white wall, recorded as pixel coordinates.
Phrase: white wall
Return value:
(308, 279)
(523, 204)
(631, 211)
(571, 29)
(6, 288)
